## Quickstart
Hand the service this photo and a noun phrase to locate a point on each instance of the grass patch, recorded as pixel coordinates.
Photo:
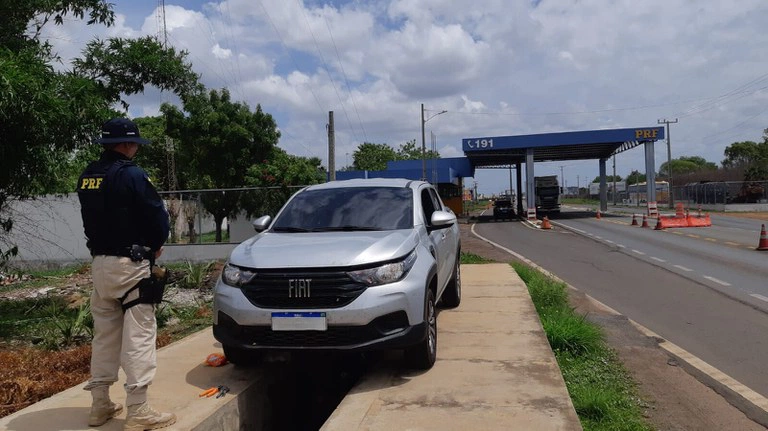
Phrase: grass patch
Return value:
(211, 236)
(603, 394)
(34, 278)
(471, 258)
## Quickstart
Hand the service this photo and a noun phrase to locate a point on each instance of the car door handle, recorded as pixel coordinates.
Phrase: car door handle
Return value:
(442, 236)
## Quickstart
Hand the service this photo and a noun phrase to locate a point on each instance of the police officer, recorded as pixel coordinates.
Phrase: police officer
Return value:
(126, 225)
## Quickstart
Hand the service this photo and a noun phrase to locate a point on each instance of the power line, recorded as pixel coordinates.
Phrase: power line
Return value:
(325, 66)
(344, 73)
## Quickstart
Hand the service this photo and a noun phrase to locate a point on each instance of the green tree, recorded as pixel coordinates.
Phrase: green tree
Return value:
(686, 165)
(608, 178)
(410, 151)
(278, 175)
(219, 140)
(48, 115)
(373, 157)
(750, 156)
(635, 177)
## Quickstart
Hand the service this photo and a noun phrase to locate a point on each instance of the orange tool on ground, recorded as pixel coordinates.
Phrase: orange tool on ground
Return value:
(209, 392)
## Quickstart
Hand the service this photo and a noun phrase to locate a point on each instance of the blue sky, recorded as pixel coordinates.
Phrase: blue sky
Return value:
(498, 67)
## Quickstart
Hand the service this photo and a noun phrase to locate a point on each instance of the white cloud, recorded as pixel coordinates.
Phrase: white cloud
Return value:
(500, 67)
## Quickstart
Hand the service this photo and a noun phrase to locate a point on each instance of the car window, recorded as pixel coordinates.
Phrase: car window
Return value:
(503, 203)
(349, 208)
(435, 200)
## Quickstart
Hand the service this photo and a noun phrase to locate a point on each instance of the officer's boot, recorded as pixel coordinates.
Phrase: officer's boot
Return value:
(102, 409)
(142, 417)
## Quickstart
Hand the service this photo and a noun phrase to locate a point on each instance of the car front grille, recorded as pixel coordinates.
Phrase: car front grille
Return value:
(334, 336)
(319, 289)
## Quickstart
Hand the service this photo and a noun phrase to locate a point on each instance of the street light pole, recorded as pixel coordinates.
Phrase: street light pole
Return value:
(423, 142)
(669, 161)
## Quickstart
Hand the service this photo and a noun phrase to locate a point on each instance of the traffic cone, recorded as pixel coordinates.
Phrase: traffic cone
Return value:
(763, 244)
(645, 221)
(598, 214)
(634, 219)
(545, 224)
(658, 224)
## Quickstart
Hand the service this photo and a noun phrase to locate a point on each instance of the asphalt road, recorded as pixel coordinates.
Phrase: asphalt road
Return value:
(688, 285)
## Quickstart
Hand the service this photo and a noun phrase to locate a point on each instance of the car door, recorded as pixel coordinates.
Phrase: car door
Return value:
(448, 239)
(436, 237)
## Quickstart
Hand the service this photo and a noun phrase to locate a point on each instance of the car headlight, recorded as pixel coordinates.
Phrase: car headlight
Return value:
(384, 274)
(235, 276)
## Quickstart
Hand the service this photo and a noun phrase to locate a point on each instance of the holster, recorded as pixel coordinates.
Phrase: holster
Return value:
(151, 289)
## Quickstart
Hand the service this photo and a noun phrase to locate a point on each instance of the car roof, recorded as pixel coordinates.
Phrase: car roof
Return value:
(369, 182)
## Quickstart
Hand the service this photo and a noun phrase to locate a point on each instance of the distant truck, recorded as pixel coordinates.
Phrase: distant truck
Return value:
(547, 194)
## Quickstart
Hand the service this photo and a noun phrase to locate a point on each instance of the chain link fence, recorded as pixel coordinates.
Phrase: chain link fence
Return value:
(203, 216)
(722, 192)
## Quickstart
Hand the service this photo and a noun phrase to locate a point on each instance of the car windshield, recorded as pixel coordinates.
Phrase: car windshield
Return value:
(348, 209)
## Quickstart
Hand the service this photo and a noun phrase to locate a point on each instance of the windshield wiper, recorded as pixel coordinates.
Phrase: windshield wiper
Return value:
(289, 229)
(345, 228)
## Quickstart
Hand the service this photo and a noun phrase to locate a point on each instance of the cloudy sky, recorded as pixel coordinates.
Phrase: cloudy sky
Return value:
(498, 67)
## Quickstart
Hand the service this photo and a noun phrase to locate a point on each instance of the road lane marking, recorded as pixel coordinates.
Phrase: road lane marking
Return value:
(638, 251)
(621, 246)
(677, 233)
(577, 230)
(760, 297)
(683, 268)
(715, 280)
(657, 259)
(732, 243)
(598, 237)
(710, 239)
(609, 241)
(692, 235)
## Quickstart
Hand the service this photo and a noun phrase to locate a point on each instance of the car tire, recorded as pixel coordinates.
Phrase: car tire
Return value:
(422, 356)
(238, 356)
(452, 295)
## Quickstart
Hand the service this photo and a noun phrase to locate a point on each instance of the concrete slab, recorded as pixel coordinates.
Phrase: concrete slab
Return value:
(495, 370)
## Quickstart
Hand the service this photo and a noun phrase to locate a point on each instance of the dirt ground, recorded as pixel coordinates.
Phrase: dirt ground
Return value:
(674, 399)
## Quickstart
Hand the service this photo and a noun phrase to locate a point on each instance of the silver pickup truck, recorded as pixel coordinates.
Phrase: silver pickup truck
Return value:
(345, 265)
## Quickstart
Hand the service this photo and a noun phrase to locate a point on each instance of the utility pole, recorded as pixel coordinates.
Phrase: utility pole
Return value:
(331, 148)
(614, 180)
(423, 148)
(562, 182)
(669, 160)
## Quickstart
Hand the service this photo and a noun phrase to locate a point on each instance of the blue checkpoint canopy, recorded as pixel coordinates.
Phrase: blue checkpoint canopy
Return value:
(444, 170)
(501, 151)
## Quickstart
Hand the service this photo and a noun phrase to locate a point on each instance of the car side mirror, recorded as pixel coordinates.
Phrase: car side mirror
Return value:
(261, 223)
(442, 219)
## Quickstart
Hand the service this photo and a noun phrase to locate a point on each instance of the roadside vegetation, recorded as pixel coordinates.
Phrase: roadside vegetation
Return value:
(470, 258)
(602, 392)
(46, 326)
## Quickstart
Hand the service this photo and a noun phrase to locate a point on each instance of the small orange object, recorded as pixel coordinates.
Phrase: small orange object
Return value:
(216, 360)
(763, 244)
(545, 224)
(208, 392)
(598, 215)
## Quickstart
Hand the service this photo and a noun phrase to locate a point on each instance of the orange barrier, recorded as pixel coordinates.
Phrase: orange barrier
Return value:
(653, 209)
(545, 224)
(694, 221)
(645, 221)
(634, 219)
(763, 244)
(679, 211)
(673, 221)
(688, 220)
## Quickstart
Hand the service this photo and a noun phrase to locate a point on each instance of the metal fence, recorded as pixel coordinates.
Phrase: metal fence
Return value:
(723, 192)
(203, 216)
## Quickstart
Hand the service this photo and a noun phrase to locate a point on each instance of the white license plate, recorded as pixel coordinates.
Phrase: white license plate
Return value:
(298, 321)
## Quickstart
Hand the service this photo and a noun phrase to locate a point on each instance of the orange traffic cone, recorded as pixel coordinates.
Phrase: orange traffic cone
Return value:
(545, 224)
(645, 221)
(634, 219)
(659, 226)
(763, 244)
(598, 214)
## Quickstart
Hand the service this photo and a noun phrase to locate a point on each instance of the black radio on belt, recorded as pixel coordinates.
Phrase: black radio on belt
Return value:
(139, 253)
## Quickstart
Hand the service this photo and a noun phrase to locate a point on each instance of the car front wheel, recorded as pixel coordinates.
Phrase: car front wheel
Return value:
(422, 356)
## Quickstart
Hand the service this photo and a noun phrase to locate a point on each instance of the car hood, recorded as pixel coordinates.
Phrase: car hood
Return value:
(323, 249)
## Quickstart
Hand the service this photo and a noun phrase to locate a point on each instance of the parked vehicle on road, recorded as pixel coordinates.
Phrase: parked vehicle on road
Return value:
(345, 265)
(502, 209)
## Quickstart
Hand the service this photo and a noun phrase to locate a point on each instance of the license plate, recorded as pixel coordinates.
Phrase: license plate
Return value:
(298, 321)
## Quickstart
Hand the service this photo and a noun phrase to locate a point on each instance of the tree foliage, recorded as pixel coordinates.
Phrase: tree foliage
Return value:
(635, 177)
(686, 165)
(221, 140)
(750, 156)
(47, 115)
(374, 157)
(608, 178)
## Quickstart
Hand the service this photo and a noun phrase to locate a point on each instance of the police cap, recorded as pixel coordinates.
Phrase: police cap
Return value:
(119, 130)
